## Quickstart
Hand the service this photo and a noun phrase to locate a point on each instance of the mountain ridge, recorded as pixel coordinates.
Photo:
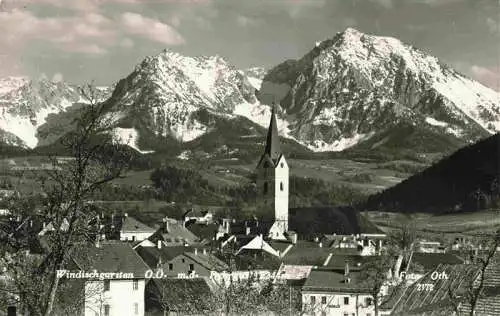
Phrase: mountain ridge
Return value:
(352, 92)
(467, 180)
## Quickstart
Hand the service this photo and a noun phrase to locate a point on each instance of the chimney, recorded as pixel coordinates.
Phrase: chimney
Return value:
(98, 242)
(43, 225)
(320, 245)
(248, 230)
(204, 251)
(159, 244)
(347, 279)
(195, 251)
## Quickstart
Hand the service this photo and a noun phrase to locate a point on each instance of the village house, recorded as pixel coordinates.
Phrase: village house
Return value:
(336, 293)
(198, 216)
(133, 230)
(121, 291)
(365, 244)
(174, 233)
(426, 246)
(181, 261)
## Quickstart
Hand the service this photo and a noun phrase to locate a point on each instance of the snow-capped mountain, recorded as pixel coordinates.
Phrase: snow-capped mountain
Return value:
(356, 88)
(165, 94)
(25, 106)
(352, 91)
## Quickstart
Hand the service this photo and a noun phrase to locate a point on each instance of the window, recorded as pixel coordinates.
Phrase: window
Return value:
(136, 308)
(183, 260)
(323, 300)
(323, 313)
(346, 314)
(191, 267)
(313, 300)
(106, 285)
(368, 301)
(106, 310)
(368, 314)
(266, 188)
(281, 186)
(346, 301)
(170, 266)
(282, 165)
(135, 285)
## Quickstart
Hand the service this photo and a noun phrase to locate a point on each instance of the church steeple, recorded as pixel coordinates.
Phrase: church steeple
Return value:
(273, 148)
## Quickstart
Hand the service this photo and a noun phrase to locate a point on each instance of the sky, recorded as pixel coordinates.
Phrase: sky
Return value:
(103, 40)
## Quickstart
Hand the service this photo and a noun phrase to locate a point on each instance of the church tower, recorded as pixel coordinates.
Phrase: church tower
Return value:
(272, 180)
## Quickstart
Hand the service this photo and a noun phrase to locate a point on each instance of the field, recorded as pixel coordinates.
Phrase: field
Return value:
(368, 176)
(371, 177)
(450, 224)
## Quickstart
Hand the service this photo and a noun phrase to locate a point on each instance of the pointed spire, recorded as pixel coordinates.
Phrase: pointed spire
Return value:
(273, 148)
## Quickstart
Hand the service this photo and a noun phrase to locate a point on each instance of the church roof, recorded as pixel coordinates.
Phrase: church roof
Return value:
(273, 148)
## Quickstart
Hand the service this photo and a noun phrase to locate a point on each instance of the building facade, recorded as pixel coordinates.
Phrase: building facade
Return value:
(273, 181)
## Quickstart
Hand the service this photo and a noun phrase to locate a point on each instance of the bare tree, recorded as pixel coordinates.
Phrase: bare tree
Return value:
(67, 190)
(466, 298)
(375, 274)
(404, 241)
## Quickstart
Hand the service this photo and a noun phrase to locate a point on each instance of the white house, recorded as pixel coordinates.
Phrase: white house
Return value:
(336, 293)
(115, 280)
(133, 230)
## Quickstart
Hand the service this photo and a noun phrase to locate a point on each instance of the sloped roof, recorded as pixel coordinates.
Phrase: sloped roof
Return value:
(430, 261)
(294, 272)
(415, 301)
(306, 253)
(208, 261)
(203, 231)
(258, 243)
(354, 261)
(110, 257)
(334, 281)
(187, 296)
(273, 148)
(152, 255)
(175, 233)
(280, 246)
(130, 224)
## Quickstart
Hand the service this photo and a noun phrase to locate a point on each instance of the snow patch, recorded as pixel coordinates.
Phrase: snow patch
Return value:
(189, 131)
(129, 137)
(9, 84)
(185, 155)
(327, 116)
(455, 131)
(256, 83)
(26, 127)
(435, 122)
(261, 114)
(338, 145)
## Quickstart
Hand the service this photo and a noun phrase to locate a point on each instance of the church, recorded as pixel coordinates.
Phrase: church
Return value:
(273, 181)
(287, 225)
